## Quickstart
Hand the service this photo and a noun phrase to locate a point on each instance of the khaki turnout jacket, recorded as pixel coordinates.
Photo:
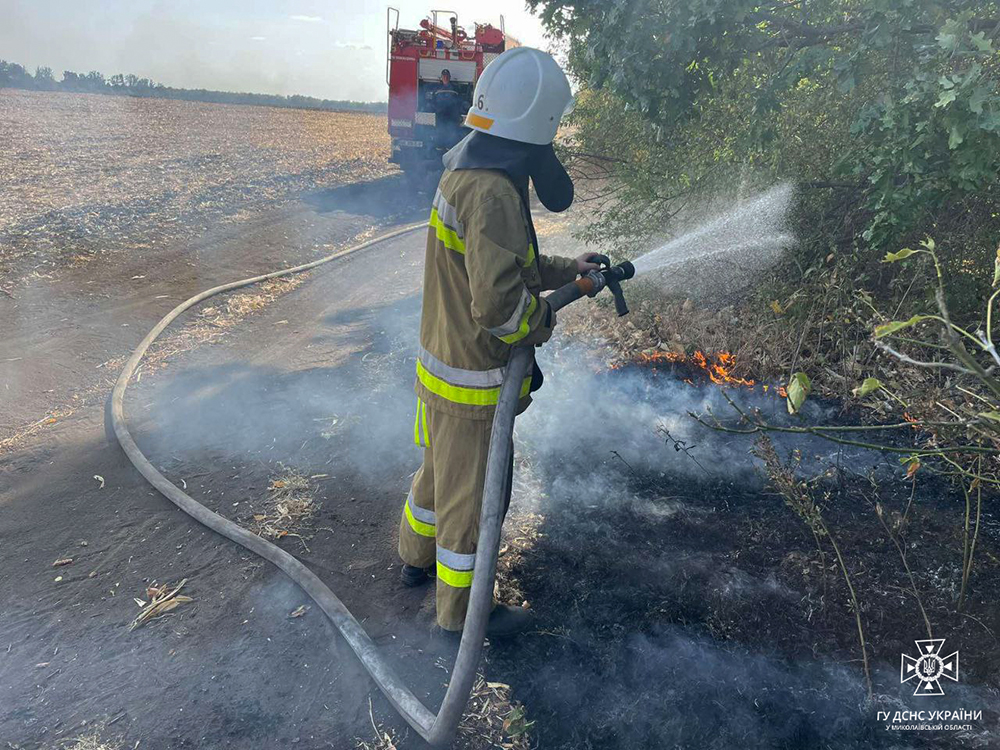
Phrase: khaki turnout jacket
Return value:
(482, 278)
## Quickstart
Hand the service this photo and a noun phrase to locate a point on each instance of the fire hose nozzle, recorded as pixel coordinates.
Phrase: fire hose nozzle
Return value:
(593, 282)
(613, 276)
(623, 271)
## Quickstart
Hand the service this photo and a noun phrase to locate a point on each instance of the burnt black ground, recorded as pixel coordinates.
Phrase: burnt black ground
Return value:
(694, 613)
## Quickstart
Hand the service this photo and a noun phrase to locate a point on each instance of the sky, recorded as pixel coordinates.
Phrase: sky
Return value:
(332, 50)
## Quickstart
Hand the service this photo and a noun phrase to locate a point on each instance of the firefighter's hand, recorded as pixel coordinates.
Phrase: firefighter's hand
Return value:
(584, 264)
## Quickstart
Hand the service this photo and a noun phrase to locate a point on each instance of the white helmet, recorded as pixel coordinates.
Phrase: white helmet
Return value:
(521, 96)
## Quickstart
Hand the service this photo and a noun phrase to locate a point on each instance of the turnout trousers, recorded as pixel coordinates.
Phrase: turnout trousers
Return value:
(440, 520)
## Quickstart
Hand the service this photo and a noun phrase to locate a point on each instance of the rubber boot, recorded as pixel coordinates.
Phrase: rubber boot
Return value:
(412, 576)
(506, 620)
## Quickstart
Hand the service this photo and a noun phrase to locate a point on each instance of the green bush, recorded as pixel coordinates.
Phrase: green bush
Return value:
(887, 115)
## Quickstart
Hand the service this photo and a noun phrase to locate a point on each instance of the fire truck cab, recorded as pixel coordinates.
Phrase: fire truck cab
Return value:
(426, 117)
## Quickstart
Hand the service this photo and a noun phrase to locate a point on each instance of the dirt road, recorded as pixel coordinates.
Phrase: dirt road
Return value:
(62, 337)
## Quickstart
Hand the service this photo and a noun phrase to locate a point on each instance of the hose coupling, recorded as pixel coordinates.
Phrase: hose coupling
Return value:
(597, 280)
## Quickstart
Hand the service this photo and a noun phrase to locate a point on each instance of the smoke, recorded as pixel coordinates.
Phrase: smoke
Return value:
(346, 414)
(657, 627)
(674, 690)
(644, 661)
(632, 419)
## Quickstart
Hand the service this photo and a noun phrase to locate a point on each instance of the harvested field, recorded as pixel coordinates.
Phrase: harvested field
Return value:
(88, 175)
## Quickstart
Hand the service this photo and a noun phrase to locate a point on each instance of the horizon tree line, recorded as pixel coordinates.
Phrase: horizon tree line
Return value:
(13, 75)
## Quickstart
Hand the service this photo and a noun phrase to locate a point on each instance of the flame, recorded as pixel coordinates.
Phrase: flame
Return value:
(716, 367)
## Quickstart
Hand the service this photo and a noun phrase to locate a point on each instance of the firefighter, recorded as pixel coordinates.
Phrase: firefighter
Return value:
(446, 103)
(482, 278)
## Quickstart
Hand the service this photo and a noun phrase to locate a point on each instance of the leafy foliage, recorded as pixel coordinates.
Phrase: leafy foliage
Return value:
(887, 114)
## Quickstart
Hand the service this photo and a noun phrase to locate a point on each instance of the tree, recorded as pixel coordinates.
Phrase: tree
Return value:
(44, 79)
(890, 110)
(71, 81)
(94, 81)
(14, 75)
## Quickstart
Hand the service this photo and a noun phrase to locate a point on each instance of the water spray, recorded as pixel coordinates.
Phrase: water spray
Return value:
(725, 249)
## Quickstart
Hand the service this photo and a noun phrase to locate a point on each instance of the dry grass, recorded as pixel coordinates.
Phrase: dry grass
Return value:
(86, 175)
(493, 720)
(286, 510)
(90, 741)
(385, 739)
(211, 324)
(21, 433)
(163, 598)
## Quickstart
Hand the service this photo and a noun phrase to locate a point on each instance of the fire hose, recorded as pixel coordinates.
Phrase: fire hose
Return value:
(437, 729)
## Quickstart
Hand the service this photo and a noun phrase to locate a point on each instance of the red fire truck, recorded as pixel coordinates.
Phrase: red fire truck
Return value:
(425, 116)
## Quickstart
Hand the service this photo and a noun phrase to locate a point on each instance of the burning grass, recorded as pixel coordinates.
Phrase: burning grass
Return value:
(697, 366)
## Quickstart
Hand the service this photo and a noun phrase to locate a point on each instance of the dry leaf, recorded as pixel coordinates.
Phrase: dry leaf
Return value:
(163, 599)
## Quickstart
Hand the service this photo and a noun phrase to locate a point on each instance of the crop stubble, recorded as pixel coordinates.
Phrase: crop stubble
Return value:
(87, 174)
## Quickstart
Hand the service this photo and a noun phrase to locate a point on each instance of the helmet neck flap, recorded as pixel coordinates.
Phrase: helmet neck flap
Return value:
(519, 161)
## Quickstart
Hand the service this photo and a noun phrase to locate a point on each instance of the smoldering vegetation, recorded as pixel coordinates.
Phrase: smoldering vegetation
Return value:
(681, 604)
(356, 414)
(641, 418)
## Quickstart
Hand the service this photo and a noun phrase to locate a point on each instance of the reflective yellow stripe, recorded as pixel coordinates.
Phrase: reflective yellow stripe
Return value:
(446, 234)
(459, 579)
(460, 395)
(416, 425)
(531, 254)
(419, 527)
(523, 329)
(423, 416)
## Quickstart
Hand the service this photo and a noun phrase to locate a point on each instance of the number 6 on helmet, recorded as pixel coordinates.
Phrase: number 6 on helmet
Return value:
(522, 95)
